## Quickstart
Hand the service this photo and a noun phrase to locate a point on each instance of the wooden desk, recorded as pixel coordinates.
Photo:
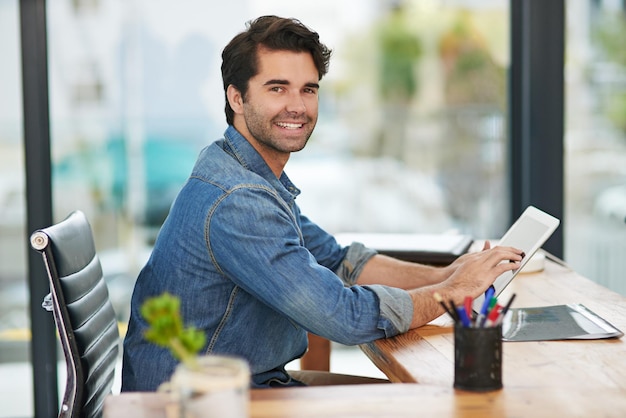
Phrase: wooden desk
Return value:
(426, 355)
(541, 379)
(398, 401)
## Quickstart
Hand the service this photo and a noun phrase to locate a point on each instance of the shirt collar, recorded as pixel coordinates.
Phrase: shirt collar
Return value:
(249, 158)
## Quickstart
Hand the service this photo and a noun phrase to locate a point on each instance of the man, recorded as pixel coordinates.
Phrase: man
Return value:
(251, 270)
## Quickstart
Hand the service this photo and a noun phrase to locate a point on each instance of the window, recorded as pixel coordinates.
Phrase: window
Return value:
(14, 316)
(411, 135)
(596, 141)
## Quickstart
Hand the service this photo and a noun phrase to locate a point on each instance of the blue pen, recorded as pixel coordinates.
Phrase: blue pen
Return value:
(482, 315)
(463, 316)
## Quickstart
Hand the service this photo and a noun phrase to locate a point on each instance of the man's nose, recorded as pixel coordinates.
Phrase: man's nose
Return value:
(296, 103)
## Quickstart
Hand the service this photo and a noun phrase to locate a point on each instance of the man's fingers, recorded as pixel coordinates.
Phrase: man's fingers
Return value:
(505, 254)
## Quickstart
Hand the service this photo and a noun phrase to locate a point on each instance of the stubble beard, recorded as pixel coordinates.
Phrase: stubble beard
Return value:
(261, 130)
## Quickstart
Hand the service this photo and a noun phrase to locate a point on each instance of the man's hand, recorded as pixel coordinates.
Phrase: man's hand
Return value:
(470, 275)
(479, 270)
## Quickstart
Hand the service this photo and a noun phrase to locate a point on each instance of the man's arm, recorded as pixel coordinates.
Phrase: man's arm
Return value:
(470, 275)
(389, 271)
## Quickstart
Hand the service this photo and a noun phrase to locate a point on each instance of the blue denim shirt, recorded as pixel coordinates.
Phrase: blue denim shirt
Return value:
(254, 274)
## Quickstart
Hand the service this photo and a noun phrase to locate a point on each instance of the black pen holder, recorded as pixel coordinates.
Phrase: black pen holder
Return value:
(477, 358)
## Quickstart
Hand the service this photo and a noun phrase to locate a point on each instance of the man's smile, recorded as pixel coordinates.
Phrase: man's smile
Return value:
(287, 125)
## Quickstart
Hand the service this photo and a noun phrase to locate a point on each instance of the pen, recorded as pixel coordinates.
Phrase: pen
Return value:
(467, 303)
(505, 310)
(463, 315)
(454, 312)
(493, 315)
(439, 299)
(480, 320)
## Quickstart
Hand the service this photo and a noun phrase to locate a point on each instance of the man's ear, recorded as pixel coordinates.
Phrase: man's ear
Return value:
(235, 100)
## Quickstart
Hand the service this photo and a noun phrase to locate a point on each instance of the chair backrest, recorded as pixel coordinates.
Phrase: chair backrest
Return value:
(83, 313)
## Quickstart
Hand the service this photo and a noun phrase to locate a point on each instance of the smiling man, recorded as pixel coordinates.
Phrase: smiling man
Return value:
(254, 273)
(278, 111)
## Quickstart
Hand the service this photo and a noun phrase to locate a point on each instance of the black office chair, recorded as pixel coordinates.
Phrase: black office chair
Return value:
(83, 313)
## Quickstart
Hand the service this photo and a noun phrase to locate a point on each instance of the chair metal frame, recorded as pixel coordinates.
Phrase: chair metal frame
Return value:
(83, 313)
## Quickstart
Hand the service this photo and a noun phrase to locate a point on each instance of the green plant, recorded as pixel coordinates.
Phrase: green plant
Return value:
(166, 329)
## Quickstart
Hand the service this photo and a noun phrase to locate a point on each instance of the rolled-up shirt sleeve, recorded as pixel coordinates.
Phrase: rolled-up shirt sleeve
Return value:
(353, 263)
(396, 306)
(396, 309)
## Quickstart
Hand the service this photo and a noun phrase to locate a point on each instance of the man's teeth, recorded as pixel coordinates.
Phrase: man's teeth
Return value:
(289, 125)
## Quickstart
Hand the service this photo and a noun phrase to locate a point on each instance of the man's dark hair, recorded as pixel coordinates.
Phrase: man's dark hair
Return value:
(240, 59)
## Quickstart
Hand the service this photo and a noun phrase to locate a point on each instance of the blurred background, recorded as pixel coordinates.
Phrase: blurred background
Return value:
(412, 132)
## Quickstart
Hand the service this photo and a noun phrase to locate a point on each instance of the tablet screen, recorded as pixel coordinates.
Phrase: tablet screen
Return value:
(532, 229)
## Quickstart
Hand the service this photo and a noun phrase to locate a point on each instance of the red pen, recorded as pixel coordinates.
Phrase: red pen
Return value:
(467, 303)
(493, 315)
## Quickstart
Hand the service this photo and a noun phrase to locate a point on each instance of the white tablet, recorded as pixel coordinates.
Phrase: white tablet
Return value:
(531, 230)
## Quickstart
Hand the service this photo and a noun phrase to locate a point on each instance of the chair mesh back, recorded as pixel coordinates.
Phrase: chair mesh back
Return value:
(83, 313)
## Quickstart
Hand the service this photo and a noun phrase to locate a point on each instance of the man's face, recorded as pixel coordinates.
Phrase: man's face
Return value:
(280, 106)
